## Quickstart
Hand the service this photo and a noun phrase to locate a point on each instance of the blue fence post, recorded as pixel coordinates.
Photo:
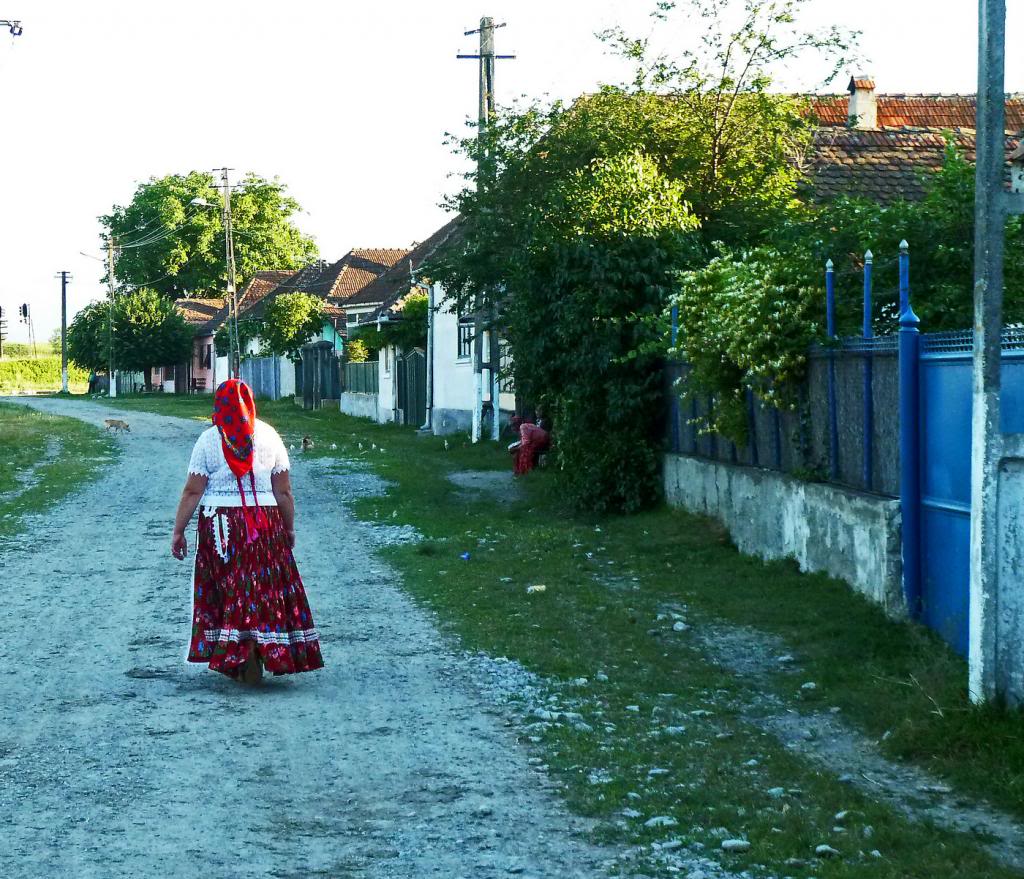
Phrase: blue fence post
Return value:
(752, 428)
(833, 413)
(910, 446)
(869, 404)
(677, 444)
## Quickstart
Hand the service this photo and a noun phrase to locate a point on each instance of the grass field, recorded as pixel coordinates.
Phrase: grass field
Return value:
(39, 374)
(606, 581)
(43, 458)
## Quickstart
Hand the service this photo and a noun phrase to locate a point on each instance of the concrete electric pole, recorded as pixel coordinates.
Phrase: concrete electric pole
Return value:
(64, 276)
(111, 378)
(486, 58)
(996, 660)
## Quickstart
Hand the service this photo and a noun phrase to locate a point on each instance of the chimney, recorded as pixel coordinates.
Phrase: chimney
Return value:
(863, 107)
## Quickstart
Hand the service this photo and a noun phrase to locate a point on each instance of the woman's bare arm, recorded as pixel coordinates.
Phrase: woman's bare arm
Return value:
(281, 483)
(195, 485)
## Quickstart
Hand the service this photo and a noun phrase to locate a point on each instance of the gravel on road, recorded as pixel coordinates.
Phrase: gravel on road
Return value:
(116, 759)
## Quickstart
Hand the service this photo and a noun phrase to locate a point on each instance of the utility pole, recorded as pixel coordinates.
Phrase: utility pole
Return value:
(111, 379)
(3, 331)
(64, 276)
(996, 662)
(486, 108)
(234, 346)
(13, 26)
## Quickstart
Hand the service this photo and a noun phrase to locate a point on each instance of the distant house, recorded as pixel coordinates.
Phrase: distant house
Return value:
(880, 146)
(432, 387)
(204, 370)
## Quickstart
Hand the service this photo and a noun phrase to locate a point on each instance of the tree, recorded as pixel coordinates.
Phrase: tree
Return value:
(172, 246)
(356, 351)
(576, 218)
(291, 320)
(149, 331)
(55, 340)
(89, 337)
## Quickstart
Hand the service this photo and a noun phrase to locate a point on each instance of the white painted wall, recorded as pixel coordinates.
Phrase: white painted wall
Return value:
(386, 385)
(453, 376)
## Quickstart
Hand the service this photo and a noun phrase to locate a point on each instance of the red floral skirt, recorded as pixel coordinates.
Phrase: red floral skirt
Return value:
(249, 592)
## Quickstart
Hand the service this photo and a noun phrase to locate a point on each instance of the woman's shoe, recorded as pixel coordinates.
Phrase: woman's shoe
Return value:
(252, 669)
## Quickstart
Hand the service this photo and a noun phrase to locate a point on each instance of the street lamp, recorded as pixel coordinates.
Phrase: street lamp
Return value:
(13, 26)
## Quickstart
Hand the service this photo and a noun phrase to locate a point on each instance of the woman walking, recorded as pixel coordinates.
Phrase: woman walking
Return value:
(249, 607)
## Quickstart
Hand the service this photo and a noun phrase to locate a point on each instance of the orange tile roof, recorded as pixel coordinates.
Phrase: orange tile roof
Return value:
(917, 111)
(360, 266)
(259, 286)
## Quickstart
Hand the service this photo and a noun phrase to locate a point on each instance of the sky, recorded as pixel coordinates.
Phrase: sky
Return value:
(347, 103)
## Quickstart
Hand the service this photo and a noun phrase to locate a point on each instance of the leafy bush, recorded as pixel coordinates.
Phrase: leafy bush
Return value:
(745, 323)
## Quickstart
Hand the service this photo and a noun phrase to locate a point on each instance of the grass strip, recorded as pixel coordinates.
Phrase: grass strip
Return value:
(44, 458)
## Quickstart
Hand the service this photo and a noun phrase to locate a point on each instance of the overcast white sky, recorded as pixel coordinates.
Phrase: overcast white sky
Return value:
(346, 102)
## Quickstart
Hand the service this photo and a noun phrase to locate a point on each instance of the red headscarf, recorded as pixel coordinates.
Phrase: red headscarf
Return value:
(234, 414)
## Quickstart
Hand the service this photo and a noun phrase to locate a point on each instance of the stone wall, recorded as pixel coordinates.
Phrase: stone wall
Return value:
(849, 535)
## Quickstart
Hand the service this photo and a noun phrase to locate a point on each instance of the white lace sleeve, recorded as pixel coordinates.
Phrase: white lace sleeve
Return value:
(200, 463)
(281, 462)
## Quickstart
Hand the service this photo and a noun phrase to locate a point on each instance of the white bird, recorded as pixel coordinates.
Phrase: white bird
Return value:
(446, 445)
(291, 448)
(360, 447)
(334, 446)
(373, 446)
(382, 450)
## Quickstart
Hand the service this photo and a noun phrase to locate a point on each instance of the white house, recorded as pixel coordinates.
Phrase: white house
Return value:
(448, 386)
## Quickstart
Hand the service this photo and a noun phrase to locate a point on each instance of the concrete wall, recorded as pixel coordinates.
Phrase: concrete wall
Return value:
(849, 535)
(360, 405)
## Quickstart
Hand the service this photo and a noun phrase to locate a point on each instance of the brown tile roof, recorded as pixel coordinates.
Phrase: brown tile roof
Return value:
(917, 111)
(879, 165)
(259, 286)
(360, 266)
(396, 281)
(205, 315)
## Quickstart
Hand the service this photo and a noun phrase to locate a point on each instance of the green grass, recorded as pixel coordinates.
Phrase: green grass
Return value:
(31, 476)
(605, 584)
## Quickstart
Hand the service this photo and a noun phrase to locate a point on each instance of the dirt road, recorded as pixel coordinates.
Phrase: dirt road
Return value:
(116, 760)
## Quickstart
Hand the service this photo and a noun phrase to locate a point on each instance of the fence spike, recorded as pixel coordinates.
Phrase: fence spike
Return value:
(869, 257)
(904, 247)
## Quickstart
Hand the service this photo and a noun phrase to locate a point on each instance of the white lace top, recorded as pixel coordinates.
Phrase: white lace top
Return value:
(269, 457)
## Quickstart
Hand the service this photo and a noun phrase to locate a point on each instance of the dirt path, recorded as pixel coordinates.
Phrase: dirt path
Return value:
(117, 760)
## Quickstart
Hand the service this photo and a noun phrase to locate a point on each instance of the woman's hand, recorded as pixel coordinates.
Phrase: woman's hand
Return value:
(179, 546)
(290, 537)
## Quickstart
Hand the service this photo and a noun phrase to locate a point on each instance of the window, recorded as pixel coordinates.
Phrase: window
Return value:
(209, 355)
(387, 359)
(465, 347)
(505, 383)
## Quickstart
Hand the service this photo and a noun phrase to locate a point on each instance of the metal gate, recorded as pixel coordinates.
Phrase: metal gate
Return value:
(945, 468)
(412, 388)
(321, 374)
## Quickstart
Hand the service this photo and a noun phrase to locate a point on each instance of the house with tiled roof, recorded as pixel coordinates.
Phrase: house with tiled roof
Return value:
(202, 372)
(881, 146)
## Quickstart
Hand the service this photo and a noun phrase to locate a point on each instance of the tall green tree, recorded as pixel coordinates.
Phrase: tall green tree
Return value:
(576, 218)
(149, 331)
(171, 245)
(89, 337)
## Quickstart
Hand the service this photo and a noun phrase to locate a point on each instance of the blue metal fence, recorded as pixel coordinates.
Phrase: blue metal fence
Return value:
(888, 414)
